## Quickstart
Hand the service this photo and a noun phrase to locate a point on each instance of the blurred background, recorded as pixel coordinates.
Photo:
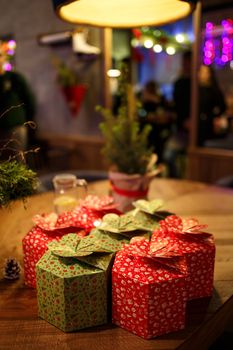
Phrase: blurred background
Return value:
(48, 52)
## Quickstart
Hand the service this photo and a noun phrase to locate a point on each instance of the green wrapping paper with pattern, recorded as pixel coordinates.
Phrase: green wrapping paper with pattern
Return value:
(72, 280)
(144, 218)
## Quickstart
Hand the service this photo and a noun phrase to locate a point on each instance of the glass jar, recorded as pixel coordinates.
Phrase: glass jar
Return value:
(68, 190)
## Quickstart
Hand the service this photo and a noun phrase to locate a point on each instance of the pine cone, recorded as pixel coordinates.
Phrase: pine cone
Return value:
(11, 269)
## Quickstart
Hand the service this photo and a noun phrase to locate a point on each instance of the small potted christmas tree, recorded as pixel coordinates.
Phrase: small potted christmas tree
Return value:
(132, 163)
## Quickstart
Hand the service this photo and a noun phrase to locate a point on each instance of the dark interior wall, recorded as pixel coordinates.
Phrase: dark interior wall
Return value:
(28, 19)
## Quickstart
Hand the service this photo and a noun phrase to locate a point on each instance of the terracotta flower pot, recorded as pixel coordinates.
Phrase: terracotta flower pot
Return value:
(126, 189)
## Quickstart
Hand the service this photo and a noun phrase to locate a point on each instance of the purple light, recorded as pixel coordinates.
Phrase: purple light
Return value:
(207, 61)
(209, 44)
(226, 24)
(209, 26)
(209, 54)
(7, 66)
(226, 41)
(12, 44)
(218, 47)
(224, 58)
(10, 52)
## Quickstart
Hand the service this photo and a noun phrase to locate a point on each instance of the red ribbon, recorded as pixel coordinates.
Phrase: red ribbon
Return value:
(129, 193)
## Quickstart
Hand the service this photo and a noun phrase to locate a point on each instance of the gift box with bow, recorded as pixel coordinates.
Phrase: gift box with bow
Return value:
(188, 238)
(72, 280)
(144, 218)
(148, 290)
(50, 227)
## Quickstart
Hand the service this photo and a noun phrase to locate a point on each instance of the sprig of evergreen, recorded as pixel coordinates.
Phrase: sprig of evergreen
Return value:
(17, 181)
(65, 75)
(126, 146)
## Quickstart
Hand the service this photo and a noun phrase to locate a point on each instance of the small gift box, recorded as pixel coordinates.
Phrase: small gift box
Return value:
(187, 237)
(52, 227)
(148, 292)
(72, 279)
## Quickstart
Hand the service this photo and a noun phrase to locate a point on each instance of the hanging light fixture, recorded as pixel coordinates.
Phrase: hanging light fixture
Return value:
(123, 13)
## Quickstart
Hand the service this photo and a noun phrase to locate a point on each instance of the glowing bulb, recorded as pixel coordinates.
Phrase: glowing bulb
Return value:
(180, 38)
(145, 29)
(209, 26)
(113, 73)
(135, 42)
(224, 58)
(170, 50)
(148, 44)
(157, 48)
(157, 32)
(207, 61)
(7, 66)
(11, 44)
(10, 52)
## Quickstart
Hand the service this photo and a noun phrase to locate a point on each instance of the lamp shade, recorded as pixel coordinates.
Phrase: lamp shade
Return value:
(122, 13)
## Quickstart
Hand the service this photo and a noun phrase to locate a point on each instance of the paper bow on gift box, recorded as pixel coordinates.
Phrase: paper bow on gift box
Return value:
(150, 211)
(103, 204)
(126, 224)
(149, 207)
(71, 246)
(96, 249)
(161, 253)
(80, 218)
(86, 216)
(188, 228)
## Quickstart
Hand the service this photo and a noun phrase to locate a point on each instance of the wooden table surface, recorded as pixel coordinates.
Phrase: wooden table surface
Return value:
(21, 329)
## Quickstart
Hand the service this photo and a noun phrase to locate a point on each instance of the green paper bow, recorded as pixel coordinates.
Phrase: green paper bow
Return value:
(149, 212)
(91, 253)
(96, 249)
(149, 207)
(125, 224)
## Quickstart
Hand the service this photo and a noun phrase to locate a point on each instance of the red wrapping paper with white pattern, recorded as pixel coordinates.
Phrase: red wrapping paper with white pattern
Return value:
(187, 237)
(52, 227)
(34, 246)
(148, 297)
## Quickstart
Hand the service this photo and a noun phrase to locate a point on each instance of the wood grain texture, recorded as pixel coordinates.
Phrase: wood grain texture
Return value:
(21, 329)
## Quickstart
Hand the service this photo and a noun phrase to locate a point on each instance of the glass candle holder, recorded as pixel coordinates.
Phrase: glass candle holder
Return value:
(68, 190)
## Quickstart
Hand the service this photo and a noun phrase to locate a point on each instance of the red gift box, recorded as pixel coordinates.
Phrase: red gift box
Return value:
(148, 294)
(186, 237)
(34, 246)
(52, 227)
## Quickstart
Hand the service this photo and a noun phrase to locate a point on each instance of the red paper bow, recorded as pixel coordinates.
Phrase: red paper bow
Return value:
(160, 253)
(188, 227)
(105, 203)
(68, 222)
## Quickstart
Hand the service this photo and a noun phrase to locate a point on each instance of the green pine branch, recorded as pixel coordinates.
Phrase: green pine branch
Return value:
(16, 182)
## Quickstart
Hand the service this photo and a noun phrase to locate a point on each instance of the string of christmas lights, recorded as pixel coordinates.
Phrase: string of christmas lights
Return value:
(8, 48)
(218, 43)
(159, 41)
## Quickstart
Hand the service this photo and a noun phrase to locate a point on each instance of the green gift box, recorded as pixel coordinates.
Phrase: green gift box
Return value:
(72, 280)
